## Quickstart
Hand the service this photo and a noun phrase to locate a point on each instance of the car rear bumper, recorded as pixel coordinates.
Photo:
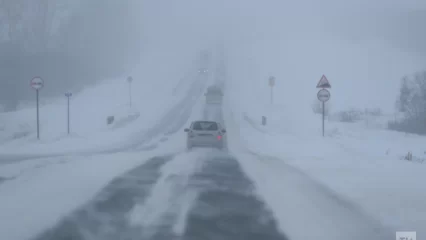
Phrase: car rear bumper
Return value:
(218, 144)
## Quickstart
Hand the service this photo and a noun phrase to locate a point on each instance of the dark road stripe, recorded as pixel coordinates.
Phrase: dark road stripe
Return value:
(105, 217)
(227, 207)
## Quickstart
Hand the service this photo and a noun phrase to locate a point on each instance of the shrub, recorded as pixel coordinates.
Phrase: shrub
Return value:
(352, 115)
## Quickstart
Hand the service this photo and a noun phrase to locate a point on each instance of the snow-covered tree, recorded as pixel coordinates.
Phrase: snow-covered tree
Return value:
(404, 95)
(317, 107)
(412, 102)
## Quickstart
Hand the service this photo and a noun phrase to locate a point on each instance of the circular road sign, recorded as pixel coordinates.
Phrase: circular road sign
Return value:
(271, 81)
(129, 79)
(323, 95)
(37, 83)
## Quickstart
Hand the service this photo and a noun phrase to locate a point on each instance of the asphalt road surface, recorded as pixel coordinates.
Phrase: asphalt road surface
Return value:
(227, 207)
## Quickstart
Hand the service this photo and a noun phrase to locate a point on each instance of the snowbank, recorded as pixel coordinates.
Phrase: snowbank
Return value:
(90, 109)
(363, 161)
(46, 190)
(363, 164)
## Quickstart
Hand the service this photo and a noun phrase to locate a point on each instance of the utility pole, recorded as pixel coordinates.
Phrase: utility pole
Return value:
(272, 84)
(129, 80)
(68, 95)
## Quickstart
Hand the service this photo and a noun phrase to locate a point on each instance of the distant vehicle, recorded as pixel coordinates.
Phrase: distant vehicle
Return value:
(214, 95)
(203, 70)
(204, 57)
(205, 134)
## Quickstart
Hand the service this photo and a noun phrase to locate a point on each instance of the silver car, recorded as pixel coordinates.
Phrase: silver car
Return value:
(205, 134)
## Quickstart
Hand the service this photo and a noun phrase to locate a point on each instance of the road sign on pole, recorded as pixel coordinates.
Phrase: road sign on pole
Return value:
(272, 84)
(68, 95)
(271, 81)
(130, 80)
(37, 83)
(323, 82)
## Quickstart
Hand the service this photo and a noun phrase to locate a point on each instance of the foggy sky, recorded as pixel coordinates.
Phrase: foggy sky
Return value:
(356, 44)
(364, 47)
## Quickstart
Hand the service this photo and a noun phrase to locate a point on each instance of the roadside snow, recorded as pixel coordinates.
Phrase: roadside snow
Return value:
(89, 111)
(46, 190)
(361, 163)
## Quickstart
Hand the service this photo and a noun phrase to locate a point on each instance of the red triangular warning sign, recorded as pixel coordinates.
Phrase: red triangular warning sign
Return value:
(323, 83)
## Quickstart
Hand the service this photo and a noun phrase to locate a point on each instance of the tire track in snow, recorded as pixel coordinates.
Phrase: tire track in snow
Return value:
(163, 214)
(106, 216)
(227, 207)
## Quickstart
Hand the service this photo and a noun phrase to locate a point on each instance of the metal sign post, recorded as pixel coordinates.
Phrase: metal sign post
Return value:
(323, 95)
(68, 95)
(130, 80)
(37, 83)
(38, 115)
(272, 84)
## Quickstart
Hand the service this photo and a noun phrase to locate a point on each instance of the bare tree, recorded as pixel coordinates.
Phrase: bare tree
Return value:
(34, 18)
(13, 12)
(38, 23)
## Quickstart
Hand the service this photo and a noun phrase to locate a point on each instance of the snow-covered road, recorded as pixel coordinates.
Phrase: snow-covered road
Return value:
(202, 194)
(212, 194)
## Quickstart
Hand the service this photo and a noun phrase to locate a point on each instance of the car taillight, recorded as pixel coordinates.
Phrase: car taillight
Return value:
(219, 137)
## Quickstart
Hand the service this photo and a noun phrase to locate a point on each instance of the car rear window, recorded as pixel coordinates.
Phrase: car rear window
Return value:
(205, 126)
(214, 90)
